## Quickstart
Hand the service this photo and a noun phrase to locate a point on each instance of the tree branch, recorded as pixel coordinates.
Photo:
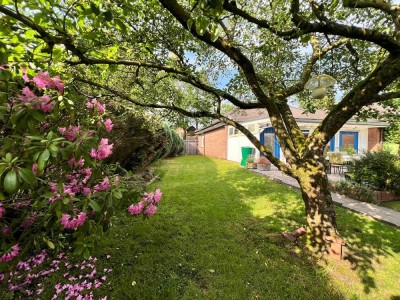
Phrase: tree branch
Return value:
(388, 96)
(197, 114)
(234, 53)
(328, 27)
(307, 70)
(256, 142)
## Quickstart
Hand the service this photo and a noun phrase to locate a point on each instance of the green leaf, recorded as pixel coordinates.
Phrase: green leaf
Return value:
(11, 182)
(27, 176)
(45, 155)
(95, 205)
(2, 197)
(94, 8)
(190, 23)
(108, 16)
(86, 253)
(50, 244)
(8, 157)
(38, 115)
(120, 25)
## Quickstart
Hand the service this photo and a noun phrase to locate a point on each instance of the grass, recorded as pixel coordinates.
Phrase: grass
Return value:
(217, 236)
(393, 205)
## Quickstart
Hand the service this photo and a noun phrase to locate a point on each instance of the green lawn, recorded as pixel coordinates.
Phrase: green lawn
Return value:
(217, 236)
(393, 205)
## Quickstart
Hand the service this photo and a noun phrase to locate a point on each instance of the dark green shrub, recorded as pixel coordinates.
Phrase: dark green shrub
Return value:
(354, 190)
(378, 170)
(140, 141)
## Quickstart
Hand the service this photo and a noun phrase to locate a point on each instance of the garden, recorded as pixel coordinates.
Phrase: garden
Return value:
(96, 199)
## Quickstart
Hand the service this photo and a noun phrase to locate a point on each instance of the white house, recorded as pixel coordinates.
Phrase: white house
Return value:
(356, 135)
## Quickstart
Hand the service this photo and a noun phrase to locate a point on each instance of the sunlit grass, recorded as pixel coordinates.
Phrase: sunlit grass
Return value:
(393, 205)
(217, 236)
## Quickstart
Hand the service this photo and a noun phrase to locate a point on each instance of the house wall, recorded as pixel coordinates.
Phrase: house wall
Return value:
(237, 141)
(375, 139)
(368, 138)
(214, 143)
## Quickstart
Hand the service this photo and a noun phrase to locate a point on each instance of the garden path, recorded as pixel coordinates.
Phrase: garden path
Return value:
(380, 213)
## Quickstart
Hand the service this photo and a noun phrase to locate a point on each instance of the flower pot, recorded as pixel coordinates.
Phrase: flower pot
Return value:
(251, 165)
(263, 167)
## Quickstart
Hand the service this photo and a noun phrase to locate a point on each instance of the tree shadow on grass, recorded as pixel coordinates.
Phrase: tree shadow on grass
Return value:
(368, 241)
(217, 236)
(207, 241)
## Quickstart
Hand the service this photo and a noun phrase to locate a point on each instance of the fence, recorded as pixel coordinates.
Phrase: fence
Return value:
(190, 147)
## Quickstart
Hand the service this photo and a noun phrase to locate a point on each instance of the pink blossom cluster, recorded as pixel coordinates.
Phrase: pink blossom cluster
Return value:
(103, 151)
(12, 253)
(79, 163)
(54, 189)
(2, 210)
(148, 205)
(44, 81)
(76, 182)
(102, 186)
(97, 105)
(72, 223)
(80, 278)
(35, 168)
(71, 132)
(108, 124)
(29, 220)
(38, 102)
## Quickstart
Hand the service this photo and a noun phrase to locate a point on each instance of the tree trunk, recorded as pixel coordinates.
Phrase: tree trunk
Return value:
(321, 217)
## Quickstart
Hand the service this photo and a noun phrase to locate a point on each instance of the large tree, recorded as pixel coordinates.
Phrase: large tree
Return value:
(150, 52)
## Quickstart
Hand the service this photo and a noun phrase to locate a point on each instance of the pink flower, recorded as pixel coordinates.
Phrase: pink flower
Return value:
(103, 151)
(94, 103)
(25, 76)
(103, 186)
(157, 196)
(5, 230)
(79, 163)
(2, 210)
(109, 124)
(72, 132)
(27, 95)
(46, 103)
(86, 191)
(73, 223)
(44, 81)
(136, 209)
(10, 255)
(34, 168)
(150, 210)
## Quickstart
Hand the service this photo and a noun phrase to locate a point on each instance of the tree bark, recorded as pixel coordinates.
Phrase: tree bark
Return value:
(319, 207)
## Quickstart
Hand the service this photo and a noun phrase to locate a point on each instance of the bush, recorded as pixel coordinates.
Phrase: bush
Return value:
(55, 189)
(140, 141)
(355, 191)
(378, 170)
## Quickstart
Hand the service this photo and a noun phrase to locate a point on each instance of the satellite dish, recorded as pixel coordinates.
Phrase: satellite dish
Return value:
(318, 85)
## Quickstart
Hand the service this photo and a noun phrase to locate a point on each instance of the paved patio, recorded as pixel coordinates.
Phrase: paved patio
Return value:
(380, 213)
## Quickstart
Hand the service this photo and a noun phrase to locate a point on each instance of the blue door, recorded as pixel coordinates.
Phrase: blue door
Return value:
(348, 139)
(332, 144)
(268, 139)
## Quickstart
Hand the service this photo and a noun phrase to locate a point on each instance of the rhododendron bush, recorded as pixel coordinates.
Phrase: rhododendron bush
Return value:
(55, 189)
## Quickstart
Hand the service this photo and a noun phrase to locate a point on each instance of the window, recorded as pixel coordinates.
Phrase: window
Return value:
(231, 130)
(251, 127)
(305, 132)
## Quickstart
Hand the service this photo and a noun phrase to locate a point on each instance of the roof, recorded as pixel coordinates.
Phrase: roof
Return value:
(248, 115)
